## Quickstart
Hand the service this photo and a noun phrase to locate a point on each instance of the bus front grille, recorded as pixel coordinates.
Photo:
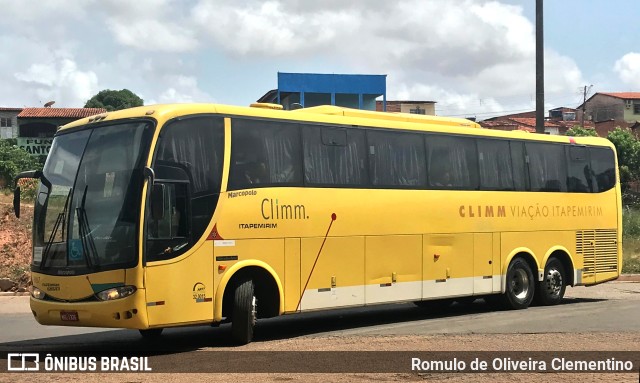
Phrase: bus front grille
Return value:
(599, 249)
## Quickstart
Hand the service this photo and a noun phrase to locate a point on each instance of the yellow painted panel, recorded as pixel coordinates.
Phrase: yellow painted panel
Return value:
(393, 259)
(539, 243)
(448, 256)
(340, 264)
(75, 287)
(185, 287)
(483, 263)
(291, 274)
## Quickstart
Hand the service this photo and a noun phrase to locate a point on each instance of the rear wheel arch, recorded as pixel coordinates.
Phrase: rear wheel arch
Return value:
(563, 256)
(527, 255)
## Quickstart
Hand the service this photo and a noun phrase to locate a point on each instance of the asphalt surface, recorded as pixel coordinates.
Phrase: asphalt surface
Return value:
(610, 307)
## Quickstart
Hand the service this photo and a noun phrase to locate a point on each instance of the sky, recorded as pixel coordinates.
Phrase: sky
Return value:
(475, 58)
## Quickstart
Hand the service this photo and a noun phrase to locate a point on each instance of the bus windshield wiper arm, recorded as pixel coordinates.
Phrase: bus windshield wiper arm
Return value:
(88, 245)
(59, 221)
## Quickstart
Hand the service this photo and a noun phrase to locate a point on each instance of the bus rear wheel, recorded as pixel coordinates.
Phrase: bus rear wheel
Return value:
(520, 285)
(243, 318)
(551, 289)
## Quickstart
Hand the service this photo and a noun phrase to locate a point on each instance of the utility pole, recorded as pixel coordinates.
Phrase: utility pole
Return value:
(584, 102)
(539, 69)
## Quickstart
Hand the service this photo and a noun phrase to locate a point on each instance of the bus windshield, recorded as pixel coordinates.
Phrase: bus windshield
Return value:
(87, 208)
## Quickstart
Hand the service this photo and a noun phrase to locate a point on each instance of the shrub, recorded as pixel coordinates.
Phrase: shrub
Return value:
(14, 160)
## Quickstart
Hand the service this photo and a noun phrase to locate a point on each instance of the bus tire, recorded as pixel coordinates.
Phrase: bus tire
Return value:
(151, 333)
(243, 318)
(551, 289)
(520, 285)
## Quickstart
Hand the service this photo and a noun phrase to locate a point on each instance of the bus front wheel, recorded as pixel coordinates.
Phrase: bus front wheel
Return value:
(243, 318)
(520, 285)
(551, 289)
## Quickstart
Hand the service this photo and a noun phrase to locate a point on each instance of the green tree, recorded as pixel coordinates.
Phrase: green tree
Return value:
(114, 100)
(578, 131)
(628, 149)
(14, 160)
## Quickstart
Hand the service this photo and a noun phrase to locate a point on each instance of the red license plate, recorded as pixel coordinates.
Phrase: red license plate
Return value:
(69, 316)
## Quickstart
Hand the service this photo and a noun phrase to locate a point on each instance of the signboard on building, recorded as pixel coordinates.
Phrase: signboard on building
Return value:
(36, 146)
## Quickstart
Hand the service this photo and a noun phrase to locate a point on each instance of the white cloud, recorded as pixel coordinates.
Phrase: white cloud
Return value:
(454, 52)
(152, 35)
(182, 89)
(60, 80)
(477, 48)
(269, 28)
(628, 69)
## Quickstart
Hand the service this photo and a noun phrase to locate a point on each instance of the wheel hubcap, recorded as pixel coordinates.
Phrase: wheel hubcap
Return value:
(254, 310)
(554, 282)
(519, 284)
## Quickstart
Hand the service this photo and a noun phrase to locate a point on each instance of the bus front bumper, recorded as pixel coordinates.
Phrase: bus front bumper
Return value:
(129, 312)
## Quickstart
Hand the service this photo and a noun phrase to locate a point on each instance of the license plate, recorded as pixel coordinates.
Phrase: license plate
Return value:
(69, 316)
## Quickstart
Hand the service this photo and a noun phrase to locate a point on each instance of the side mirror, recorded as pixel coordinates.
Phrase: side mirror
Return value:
(157, 202)
(16, 201)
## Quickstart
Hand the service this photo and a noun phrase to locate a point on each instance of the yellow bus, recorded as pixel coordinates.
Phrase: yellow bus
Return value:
(173, 215)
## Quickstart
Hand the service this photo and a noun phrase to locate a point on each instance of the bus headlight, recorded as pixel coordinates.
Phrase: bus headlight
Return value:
(37, 293)
(116, 293)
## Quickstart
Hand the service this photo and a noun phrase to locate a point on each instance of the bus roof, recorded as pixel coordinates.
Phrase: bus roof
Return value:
(333, 115)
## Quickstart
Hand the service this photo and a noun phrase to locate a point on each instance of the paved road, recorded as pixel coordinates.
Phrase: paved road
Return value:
(612, 307)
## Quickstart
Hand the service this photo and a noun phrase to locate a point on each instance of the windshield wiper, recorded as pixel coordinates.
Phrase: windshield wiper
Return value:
(86, 238)
(60, 219)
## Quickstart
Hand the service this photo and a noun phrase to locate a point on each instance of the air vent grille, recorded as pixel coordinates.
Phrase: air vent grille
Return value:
(599, 249)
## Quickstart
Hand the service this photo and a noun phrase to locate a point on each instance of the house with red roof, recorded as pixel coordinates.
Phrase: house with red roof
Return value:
(609, 110)
(34, 127)
(44, 122)
(559, 121)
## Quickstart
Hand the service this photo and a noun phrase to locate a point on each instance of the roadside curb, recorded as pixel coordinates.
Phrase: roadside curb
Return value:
(629, 278)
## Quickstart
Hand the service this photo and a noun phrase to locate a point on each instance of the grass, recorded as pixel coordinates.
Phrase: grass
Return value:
(631, 240)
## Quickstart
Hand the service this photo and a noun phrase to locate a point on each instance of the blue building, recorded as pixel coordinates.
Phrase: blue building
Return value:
(357, 91)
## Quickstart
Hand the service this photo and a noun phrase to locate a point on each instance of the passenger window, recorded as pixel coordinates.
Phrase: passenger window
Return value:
(603, 166)
(579, 178)
(334, 156)
(396, 159)
(495, 165)
(547, 167)
(520, 175)
(264, 153)
(452, 162)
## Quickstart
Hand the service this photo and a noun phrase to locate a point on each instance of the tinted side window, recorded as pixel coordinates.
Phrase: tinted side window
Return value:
(547, 166)
(188, 166)
(452, 162)
(495, 165)
(603, 166)
(520, 176)
(264, 153)
(334, 156)
(197, 144)
(396, 159)
(579, 170)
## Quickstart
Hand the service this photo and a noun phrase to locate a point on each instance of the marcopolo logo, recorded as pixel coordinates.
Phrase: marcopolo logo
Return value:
(21, 361)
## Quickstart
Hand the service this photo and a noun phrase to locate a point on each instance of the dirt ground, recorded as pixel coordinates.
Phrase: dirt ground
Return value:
(15, 242)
